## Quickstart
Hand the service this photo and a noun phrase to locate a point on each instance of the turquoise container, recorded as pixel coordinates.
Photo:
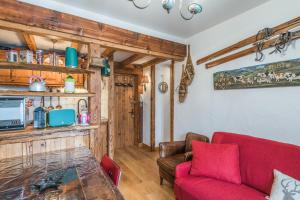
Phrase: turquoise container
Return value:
(105, 70)
(71, 59)
(63, 117)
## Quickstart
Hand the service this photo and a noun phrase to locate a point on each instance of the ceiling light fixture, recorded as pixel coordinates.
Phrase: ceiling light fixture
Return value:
(187, 8)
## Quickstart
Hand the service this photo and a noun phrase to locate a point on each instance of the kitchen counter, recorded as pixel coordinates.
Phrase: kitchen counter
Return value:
(75, 174)
(30, 133)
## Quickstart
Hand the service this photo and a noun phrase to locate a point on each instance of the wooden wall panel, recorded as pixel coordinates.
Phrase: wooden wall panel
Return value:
(27, 14)
(111, 110)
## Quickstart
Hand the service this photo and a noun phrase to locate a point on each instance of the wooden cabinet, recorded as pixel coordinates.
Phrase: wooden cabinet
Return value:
(21, 77)
(5, 75)
(31, 141)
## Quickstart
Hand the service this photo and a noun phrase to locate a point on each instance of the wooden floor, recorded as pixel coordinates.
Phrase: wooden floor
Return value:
(140, 178)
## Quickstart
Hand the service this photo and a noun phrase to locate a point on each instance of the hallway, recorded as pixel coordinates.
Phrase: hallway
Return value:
(140, 179)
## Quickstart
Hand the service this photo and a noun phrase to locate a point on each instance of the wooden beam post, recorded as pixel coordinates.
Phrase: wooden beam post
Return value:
(127, 62)
(152, 62)
(111, 109)
(108, 53)
(94, 85)
(95, 55)
(152, 117)
(30, 42)
(172, 100)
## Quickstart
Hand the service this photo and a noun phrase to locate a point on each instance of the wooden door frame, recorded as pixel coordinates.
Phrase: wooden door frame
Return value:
(137, 110)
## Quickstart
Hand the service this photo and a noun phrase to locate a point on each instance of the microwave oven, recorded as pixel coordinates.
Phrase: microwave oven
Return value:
(12, 113)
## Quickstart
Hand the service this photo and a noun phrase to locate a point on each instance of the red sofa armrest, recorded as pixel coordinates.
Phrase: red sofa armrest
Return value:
(183, 169)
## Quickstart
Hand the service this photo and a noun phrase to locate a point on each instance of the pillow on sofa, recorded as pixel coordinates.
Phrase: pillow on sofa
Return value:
(220, 161)
(284, 187)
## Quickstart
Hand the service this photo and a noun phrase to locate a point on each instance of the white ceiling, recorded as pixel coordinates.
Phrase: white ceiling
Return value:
(155, 18)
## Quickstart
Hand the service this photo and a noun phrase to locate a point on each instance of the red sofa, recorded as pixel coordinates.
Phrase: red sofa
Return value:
(258, 159)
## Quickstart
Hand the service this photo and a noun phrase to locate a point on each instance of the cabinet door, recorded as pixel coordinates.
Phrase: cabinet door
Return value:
(21, 77)
(52, 78)
(5, 76)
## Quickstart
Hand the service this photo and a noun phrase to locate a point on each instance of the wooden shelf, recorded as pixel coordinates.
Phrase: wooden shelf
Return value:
(8, 65)
(31, 134)
(43, 94)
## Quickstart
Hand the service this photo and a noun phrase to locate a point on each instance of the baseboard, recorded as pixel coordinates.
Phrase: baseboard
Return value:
(142, 145)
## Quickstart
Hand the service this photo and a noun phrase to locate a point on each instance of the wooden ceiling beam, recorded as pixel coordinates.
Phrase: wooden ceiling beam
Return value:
(154, 61)
(108, 53)
(30, 41)
(31, 19)
(128, 62)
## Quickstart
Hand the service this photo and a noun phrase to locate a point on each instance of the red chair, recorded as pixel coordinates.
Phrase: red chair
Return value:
(112, 169)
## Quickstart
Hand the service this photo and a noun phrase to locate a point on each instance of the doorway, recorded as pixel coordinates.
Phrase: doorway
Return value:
(127, 111)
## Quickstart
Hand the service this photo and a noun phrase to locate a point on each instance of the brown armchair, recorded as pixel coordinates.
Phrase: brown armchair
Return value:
(173, 153)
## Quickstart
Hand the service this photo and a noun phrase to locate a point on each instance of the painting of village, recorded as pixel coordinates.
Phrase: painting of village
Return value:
(284, 73)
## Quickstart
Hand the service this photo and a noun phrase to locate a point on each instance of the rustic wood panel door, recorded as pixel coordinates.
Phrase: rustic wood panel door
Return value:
(125, 110)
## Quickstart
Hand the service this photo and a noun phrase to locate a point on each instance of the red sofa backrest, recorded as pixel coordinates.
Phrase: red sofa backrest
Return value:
(259, 157)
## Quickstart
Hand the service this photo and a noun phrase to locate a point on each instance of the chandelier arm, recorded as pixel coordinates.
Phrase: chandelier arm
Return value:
(140, 7)
(186, 18)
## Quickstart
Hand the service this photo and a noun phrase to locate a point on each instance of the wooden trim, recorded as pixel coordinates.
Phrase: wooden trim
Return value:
(31, 134)
(145, 146)
(94, 85)
(108, 53)
(43, 94)
(152, 115)
(30, 42)
(48, 68)
(172, 100)
(152, 62)
(111, 110)
(33, 19)
(125, 63)
(246, 52)
(134, 71)
(281, 28)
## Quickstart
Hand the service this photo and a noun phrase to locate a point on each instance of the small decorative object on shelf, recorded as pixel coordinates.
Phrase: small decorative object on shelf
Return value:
(26, 56)
(37, 84)
(83, 115)
(39, 56)
(71, 59)
(105, 70)
(12, 56)
(69, 84)
(39, 117)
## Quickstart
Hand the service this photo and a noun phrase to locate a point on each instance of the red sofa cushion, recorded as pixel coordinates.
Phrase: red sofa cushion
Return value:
(220, 161)
(259, 157)
(203, 188)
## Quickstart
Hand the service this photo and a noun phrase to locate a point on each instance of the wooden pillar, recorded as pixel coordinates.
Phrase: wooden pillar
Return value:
(172, 100)
(152, 117)
(111, 109)
(94, 86)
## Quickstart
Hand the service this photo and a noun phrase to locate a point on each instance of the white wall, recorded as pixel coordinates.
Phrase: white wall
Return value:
(162, 107)
(147, 108)
(268, 112)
